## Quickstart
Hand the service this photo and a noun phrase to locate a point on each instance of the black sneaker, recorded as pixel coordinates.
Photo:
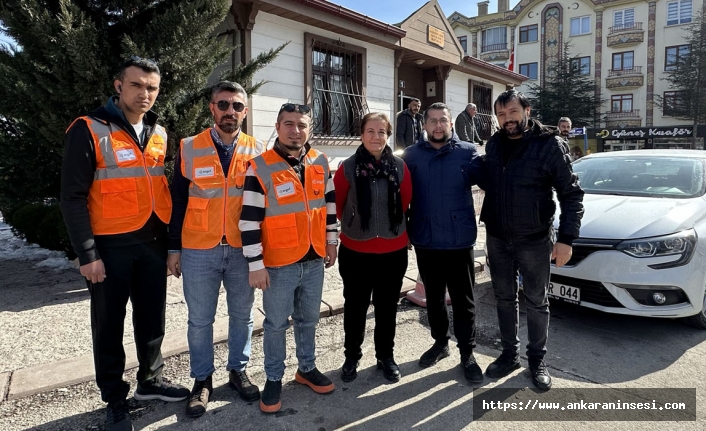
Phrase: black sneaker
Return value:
(240, 381)
(390, 369)
(199, 397)
(540, 375)
(160, 389)
(471, 370)
(349, 370)
(506, 363)
(314, 379)
(270, 401)
(118, 417)
(434, 355)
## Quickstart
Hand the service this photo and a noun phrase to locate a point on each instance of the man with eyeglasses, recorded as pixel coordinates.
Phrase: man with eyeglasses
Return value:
(442, 229)
(289, 234)
(116, 206)
(205, 244)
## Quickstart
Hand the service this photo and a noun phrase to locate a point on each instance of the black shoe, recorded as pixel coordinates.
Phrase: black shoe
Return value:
(270, 401)
(160, 389)
(239, 381)
(506, 363)
(389, 368)
(471, 370)
(540, 375)
(434, 355)
(349, 370)
(118, 417)
(314, 379)
(199, 397)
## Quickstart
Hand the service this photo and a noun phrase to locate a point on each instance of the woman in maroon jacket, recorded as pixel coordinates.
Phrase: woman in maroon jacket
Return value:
(373, 192)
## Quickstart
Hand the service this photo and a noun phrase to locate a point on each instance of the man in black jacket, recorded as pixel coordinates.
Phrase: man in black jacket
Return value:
(408, 128)
(525, 164)
(116, 204)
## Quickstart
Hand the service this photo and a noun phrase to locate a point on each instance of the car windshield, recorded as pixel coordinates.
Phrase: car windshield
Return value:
(676, 177)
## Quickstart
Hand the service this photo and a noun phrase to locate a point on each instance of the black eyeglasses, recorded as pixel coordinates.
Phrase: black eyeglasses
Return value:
(224, 105)
(294, 107)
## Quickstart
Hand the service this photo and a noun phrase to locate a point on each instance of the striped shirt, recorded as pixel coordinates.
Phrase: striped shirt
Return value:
(254, 210)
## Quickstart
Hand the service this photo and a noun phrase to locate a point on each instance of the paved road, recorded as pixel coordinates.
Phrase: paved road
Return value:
(587, 349)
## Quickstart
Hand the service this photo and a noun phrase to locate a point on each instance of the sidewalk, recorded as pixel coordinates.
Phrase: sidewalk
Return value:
(46, 341)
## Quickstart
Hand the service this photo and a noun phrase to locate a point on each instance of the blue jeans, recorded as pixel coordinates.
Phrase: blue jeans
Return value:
(532, 259)
(203, 272)
(295, 290)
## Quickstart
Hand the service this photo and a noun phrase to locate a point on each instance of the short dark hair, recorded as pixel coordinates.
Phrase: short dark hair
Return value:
(376, 116)
(229, 86)
(437, 106)
(509, 95)
(414, 99)
(145, 64)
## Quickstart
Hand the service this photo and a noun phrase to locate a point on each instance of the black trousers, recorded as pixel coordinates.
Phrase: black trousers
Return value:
(452, 269)
(366, 274)
(139, 273)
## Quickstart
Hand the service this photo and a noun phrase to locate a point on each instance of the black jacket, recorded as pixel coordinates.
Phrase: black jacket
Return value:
(518, 203)
(404, 129)
(79, 166)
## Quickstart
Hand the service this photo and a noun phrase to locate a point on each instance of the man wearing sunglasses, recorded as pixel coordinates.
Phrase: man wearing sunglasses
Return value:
(205, 244)
(289, 234)
(116, 207)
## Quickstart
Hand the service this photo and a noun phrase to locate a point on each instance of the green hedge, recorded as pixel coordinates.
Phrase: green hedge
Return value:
(41, 224)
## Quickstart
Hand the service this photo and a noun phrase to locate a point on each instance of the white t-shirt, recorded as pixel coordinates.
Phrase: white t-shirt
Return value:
(138, 130)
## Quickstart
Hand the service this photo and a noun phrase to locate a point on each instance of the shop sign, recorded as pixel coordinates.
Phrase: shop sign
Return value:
(646, 132)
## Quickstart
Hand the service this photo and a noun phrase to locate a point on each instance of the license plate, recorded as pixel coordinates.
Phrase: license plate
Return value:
(565, 293)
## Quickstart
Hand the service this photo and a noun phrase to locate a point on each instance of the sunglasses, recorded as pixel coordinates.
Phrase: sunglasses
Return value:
(294, 107)
(223, 105)
(136, 58)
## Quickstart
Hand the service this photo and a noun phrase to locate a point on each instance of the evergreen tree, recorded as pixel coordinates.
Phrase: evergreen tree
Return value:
(566, 93)
(688, 77)
(67, 55)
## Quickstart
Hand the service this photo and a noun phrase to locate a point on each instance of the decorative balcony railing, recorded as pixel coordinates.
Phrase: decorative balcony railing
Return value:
(635, 70)
(493, 47)
(635, 113)
(625, 27)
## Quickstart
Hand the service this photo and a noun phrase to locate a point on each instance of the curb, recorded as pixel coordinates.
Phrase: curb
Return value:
(40, 378)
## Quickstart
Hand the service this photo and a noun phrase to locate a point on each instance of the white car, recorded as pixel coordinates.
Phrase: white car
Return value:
(642, 246)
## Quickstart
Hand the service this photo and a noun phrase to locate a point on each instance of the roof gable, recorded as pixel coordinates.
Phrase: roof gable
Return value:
(425, 28)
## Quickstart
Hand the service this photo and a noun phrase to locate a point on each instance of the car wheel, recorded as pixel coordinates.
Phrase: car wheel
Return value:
(698, 320)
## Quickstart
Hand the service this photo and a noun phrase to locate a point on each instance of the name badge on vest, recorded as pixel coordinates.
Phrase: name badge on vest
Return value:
(205, 172)
(125, 155)
(286, 189)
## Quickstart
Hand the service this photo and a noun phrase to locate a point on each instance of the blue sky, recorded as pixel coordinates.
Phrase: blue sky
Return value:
(394, 11)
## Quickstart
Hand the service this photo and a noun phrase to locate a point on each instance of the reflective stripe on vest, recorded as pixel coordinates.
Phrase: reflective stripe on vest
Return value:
(209, 216)
(295, 215)
(128, 184)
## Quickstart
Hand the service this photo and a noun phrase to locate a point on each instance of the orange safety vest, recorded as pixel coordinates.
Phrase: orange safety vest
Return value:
(215, 201)
(129, 184)
(295, 216)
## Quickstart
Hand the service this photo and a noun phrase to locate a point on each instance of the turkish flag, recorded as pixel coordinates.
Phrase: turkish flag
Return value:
(511, 65)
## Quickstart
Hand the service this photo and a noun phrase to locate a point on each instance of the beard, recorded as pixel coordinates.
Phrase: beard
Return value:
(564, 134)
(515, 128)
(444, 139)
(229, 127)
(293, 145)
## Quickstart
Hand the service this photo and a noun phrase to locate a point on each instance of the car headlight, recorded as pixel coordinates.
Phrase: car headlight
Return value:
(680, 244)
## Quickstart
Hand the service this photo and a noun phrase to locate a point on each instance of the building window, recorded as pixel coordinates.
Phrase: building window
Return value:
(337, 83)
(481, 94)
(678, 12)
(623, 19)
(494, 39)
(623, 60)
(582, 65)
(529, 70)
(672, 103)
(463, 40)
(621, 103)
(580, 25)
(675, 54)
(528, 33)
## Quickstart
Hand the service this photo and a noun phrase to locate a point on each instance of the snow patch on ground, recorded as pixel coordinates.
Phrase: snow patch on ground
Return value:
(15, 248)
